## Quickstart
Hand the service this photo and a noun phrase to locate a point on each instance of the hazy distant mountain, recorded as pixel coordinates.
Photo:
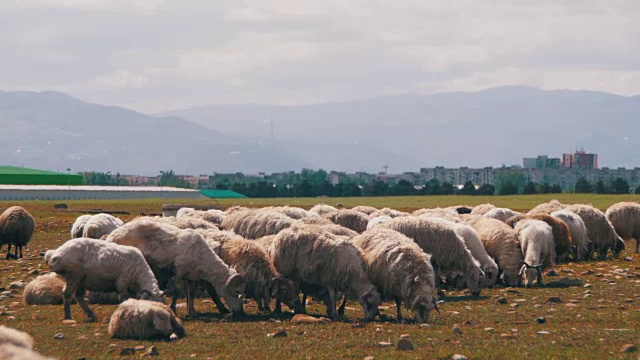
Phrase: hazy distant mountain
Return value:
(485, 128)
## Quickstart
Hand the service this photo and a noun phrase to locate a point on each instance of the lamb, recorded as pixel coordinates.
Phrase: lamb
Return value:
(399, 269)
(548, 208)
(482, 209)
(143, 319)
(625, 218)
(501, 214)
(45, 290)
(78, 226)
(186, 222)
(99, 225)
(322, 209)
(187, 253)
(599, 230)
(350, 219)
(17, 345)
(538, 250)
(212, 216)
(377, 220)
(253, 224)
(501, 243)
(577, 230)
(16, 228)
(320, 259)
(96, 265)
(447, 248)
(367, 210)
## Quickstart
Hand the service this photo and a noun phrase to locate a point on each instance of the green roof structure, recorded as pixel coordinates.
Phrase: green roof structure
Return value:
(13, 175)
(222, 194)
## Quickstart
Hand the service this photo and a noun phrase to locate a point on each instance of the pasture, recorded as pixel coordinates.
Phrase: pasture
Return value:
(597, 315)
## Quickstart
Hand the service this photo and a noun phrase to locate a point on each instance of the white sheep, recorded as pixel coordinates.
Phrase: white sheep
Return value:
(548, 208)
(399, 269)
(625, 218)
(213, 216)
(599, 231)
(482, 209)
(538, 249)
(17, 345)
(44, 290)
(322, 209)
(377, 220)
(96, 265)
(367, 210)
(447, 248)
(350, 219)
(487, 263)
(186, 222)
(256, 223)
(78, 226)
(447, 214)
(99, 225)
(187, 253)
(578, 232)
(143, 319)
(502, 214)
(311, 255)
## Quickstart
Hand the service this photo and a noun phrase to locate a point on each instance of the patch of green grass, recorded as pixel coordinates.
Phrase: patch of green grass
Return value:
(596, 327)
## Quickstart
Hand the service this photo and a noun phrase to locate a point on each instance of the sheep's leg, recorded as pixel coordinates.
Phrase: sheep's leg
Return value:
(399, 310)
(83, 304)
(278, 308)
(216, 299)
(637, 244)
(190, 289)
(20, 252)
(9, 251)
(343, 304)
(67, 293)
(15, 251)
(329, 298)
(304, 302)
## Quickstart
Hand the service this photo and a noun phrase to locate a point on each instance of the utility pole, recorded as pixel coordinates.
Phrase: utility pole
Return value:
(69, 183)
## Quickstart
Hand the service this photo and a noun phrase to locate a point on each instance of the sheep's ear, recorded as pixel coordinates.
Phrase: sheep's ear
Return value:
(235, 284)
(275, 285)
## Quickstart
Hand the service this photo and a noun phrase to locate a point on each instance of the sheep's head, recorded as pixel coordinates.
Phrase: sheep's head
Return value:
(233, 293)
(161, 322)
(529, 273)
(511, 278)
(618, 247)
(475, 279)
(284, 290)
(422, 306)
(151, 296)
(490, 275)
(370, 301)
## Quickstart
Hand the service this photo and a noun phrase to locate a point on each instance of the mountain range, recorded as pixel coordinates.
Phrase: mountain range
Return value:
(498, 126)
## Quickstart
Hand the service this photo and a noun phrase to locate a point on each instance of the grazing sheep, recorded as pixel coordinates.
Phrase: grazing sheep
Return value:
(548, 208)
(439, 213)
(103, 298)
(536, 242)
(367, 210)
(561, 235)
(377, 220)
(462, 209)
(256, 223)
(327, 225)
(625, 218)
(399, 269)
(99, 225)
(599, 230)
(293, 212)
(392, 213)
(234, 209)
(501, 243)
(501, 214)
(577, 230)
(96, 265)
(17, 345)
(186, 222)
(187, 253)
(472, 240)
(447, 248)
(311, 255)
(16, 228)
(78, 226)
(219, 235)
(15, 337)
(142, 319)
(350, 219)
(45, 290)
(482, 209)
(322, 209)
(212, 216)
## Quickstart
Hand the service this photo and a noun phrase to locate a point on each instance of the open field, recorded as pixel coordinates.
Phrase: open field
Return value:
(590, 323)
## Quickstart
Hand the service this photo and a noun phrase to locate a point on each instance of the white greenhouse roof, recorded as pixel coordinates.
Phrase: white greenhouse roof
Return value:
(96, 188)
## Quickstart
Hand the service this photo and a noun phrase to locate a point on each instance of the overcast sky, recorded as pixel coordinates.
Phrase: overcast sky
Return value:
(155, 55)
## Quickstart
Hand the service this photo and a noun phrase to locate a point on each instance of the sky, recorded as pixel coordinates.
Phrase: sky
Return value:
(158, 55)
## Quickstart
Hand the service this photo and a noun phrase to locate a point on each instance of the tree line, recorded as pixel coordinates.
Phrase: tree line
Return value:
(615, 186)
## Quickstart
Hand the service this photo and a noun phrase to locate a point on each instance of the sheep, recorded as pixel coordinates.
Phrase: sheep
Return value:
(399, 269)
(212, 216)
(186, 222)
(501, 243)
(78, 226)
(143, 319)
(562, 239)
(322, 209)
(308, 254)
(99, 225)
(625, 218)
(447, 248)
(16, 228)
(326, 225)
(367, 210)
(482, 209)
(219, 235)
(253, 224)
(387, 212)
(461, 209)
(377, 220)
(438, 213)
(186, 252)
(538, 250)
(548, 208)
(233, 209)
(501, 214)
(577, 230)
(487, 263)
(350, 219)
(96, 265)
(293, 212)
(45, 290)
(18, 345)
(599, 230)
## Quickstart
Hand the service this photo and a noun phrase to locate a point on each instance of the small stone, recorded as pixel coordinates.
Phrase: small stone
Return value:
(11, 317)
(82, 337)
(571, 305)
(628, 300)
(306, 319)
(34, 272)
(468, 323)
(629, 348)
(512, 291)
(507, 336)
(173, 336)
(514, 305)
(58, 336)
(515, 331)
(552, 272)
(369, 358)
(458, 357)
(7, 293)
(489, 329)
(501, 300)
(279, 334)
(457, 330)
(34, 317)
(426, 326)
(69, 322)
(628, 259)
(152, 351)
(405, 336)
(127, 351)
(139, 347)
(541, 320)
(542, 333)
(17, 285)
(358, 326)
(379, 329)
(14, 304)
(586, 286)
(537, 306)
(206, 302)
(384, 344)
(554, 299)
(97, 335)
(404, 345)
(521, 300)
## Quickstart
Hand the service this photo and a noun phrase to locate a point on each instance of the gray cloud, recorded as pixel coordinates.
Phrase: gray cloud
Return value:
(155, 55)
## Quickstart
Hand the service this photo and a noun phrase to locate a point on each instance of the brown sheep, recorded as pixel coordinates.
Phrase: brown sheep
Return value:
(16, 228)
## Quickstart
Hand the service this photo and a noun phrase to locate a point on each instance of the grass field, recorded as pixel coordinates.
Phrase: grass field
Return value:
(591, 322)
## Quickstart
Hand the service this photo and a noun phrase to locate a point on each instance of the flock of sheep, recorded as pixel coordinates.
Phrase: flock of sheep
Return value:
(364, 254)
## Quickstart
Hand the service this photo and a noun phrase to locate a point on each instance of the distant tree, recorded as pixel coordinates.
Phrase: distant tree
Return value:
(169, 178)
(486, 189)
(508, 188)
(600, 188)
(512, 182)
(555, 189)
(401, 188)
(468, 189)
(222, 186)
(529, 188)
(637, 192)
(543, 188)
(379, 188)
(432, 187)
(305, 189)
(619, 186)
(583, 186)
(446, 188)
